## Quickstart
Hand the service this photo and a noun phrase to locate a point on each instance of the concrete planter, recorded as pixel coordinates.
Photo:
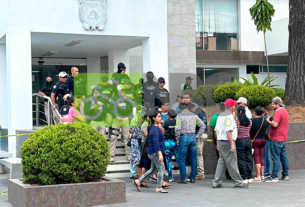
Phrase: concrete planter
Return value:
(78, 194)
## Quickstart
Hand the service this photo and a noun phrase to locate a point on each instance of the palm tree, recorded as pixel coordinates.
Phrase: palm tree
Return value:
(262, 13)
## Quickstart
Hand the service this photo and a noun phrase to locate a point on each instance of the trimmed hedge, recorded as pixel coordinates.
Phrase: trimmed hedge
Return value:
(202, 95)
(66, 153)
(226, 91)
(257, 95)
(280, 92)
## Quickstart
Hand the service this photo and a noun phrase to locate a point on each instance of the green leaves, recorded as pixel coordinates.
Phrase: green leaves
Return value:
(226, 91)
(262, 12)
(254, 81)
(68, 153)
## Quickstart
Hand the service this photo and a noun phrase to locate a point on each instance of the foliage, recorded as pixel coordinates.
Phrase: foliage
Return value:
(70, 153)
(257, 95)
(262, 13)
(206, 92)
(254, 81)
(280, 93)
(226, 91)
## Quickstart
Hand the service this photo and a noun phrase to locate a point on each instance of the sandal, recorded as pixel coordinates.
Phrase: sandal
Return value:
(257, 179)
(137, 186)
(166, 185)
(143, 184)
(161, 191)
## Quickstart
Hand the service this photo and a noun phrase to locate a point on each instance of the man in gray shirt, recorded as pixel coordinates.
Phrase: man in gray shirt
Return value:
(185, 131)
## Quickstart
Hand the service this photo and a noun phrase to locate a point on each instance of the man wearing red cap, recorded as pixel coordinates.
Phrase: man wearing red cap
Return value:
(226, 133)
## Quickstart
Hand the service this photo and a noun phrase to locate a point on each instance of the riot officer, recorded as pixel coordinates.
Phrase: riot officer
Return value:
(46, 90)
(60, 89)
(187, 85)
(161, 94)
(148, 89)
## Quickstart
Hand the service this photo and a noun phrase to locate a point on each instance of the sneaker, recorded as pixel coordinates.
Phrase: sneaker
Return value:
(245, 181)
(154, 180)
(250, 180)
(171, 180)
(111, 159)
(272, 180)
(263, 179)
(286, 178)
(188, 180)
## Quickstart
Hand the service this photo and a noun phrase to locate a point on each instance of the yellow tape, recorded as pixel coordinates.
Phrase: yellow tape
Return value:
(3, 192)
(15, 135)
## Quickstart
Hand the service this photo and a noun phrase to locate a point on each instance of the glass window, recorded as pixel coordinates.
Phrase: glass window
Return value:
(275, 69)
(220, 24)
(253, 68)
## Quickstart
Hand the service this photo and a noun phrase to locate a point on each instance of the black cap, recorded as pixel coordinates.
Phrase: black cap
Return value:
(161, 79)
(149, 73)
(121, 66)
(189, 78)
(172, 113)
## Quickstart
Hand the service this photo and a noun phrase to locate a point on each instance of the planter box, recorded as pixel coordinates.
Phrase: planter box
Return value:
(78, 194)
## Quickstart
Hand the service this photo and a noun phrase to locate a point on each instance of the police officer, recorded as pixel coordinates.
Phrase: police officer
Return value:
(60, 89)
(70, 81)
(148, 90)
(161, 95)
(187, 85)
(46, 90)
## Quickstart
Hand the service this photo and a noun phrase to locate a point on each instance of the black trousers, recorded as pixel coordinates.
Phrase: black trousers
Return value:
(244, 157)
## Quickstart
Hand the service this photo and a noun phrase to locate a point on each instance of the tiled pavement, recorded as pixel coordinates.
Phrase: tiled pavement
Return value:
(201, 193)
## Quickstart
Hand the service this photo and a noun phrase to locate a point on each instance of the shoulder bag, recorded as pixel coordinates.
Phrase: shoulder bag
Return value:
(257, 131)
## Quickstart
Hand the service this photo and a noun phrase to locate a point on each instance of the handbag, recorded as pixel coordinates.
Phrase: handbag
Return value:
(257, 132)
(144, 148)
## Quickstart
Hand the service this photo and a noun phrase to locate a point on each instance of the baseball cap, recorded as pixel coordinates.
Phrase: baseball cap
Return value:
(242, 100)
(62, 74)
(161, 79)
(229, 103)
(278, 100)
(172, 113)
(121, 66)
(104, 78)
(189, 78)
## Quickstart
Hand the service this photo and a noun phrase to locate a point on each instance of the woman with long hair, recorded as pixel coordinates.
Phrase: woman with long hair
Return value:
(243, 145)
(155, 149)
(259, 134)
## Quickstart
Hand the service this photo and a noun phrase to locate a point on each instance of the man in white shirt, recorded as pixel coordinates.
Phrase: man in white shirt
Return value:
(242, 101)
(226, 133)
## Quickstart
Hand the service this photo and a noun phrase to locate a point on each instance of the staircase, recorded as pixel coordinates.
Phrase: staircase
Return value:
(121, 167)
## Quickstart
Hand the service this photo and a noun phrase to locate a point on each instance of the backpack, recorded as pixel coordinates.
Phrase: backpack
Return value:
(64, 110)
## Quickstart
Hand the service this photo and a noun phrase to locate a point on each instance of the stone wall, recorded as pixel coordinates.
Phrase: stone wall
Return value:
(136, 60)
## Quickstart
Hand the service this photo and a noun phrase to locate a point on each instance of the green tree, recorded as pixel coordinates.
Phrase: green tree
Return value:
(262, 13)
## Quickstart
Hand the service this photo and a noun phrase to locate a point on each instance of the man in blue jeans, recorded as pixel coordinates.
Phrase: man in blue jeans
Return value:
(278, 138)
(186, 137)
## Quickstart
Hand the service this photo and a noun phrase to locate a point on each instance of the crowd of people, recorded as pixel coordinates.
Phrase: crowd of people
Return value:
(160, 130)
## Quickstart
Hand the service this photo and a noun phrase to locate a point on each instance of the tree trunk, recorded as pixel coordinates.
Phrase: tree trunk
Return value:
(295, 82)
(267, 58)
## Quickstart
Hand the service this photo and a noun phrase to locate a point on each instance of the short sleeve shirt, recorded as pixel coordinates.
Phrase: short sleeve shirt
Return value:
(280, 133)
(225, 123)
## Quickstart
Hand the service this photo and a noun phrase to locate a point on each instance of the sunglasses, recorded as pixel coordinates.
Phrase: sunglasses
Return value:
(162, 82)
(64, 77)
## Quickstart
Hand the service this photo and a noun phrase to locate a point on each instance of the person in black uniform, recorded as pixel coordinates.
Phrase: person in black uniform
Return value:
(70, 81)
(187, 85)
(161, 95)
(60, 89)
(120, 74)
(148, 90)
(46, 90)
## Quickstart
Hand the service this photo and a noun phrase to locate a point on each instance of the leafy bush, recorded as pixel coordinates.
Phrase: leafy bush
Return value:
(280, 92)
(226, 91)
(257, 95)
(196, 97)
(70, 153)
(254, 81)
(206, 92)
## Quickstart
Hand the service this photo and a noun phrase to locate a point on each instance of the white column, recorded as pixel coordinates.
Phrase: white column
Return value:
(19, 83)
(117, 56)
(3, 87)
(155, 57)
(93, 66)
(242, 72)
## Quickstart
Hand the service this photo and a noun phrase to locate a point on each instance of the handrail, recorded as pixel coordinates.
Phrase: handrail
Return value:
(56, 116)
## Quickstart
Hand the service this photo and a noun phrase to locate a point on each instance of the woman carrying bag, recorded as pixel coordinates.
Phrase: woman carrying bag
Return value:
(259, 134)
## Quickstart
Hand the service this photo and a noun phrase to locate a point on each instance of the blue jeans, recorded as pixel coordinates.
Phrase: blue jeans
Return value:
(267, 159)
(188, 143)
(133, 171)
(278, 155)
(170, 149)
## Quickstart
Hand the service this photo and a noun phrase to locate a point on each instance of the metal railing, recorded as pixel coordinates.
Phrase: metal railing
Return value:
(52, 115)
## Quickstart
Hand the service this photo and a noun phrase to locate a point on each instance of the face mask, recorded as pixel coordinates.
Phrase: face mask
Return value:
(150, 78)
(49, 83)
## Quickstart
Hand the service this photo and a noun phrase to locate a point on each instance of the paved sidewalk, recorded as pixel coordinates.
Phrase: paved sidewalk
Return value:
(201, 193)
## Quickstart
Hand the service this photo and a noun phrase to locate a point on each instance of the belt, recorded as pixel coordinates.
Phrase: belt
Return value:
(187, 134)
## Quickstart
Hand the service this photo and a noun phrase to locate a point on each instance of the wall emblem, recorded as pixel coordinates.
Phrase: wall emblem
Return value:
(93, 14)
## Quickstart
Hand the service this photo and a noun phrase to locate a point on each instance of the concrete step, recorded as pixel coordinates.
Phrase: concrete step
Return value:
(123, 165)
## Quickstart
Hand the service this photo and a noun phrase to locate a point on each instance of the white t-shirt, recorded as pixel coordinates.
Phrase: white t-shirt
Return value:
(248, 113)
(225, 122)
